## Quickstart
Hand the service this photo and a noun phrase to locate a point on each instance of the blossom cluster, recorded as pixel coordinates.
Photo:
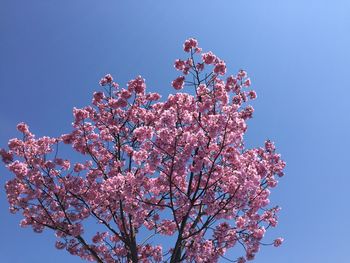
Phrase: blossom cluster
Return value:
(177, 167)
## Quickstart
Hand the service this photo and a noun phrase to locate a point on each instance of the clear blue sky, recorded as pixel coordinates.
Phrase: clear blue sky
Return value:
(297, 52)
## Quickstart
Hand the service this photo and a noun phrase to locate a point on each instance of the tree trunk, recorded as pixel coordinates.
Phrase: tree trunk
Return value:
(176, 256)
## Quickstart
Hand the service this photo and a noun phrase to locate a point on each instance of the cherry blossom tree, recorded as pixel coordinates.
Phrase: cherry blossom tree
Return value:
(152, 168)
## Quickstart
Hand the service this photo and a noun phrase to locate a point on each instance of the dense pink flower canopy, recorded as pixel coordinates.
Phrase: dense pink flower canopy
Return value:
(176, 167)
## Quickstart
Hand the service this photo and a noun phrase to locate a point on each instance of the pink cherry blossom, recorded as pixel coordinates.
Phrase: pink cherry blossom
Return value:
(138, 85)
(22, 127)
(220, 68)
(208, 58)
(178, 83)
(97, 97)
(191, 44)
(252, 94)
(107, 79)
(125, 94)
(247, 83)
(278, 242)
(151, 168)
(6, 156)
(179, 64)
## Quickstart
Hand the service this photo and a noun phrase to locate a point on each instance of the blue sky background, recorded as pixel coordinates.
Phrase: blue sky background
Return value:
(53, 53)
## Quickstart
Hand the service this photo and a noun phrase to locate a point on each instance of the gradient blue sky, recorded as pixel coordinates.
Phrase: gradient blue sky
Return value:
(53, 53)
